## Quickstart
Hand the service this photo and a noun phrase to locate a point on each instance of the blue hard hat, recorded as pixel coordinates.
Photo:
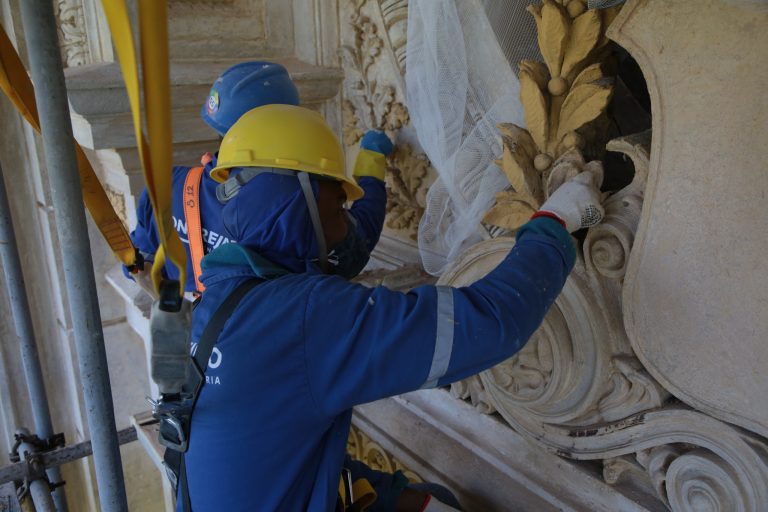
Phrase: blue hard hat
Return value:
(244, 87)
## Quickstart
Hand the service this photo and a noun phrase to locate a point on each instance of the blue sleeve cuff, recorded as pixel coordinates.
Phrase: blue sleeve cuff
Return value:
(550, 228)
(127, 273)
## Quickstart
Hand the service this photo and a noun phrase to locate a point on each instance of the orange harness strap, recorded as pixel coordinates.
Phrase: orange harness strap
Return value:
(194, 226)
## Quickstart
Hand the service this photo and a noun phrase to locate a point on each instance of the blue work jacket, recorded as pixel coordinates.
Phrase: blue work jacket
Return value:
(270, 428)
(368, 211)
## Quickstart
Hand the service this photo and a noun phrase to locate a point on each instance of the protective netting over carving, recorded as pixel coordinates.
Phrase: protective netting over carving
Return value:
(459, 85)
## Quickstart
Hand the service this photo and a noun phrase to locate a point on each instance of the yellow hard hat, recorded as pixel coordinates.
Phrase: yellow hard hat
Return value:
(286, 137)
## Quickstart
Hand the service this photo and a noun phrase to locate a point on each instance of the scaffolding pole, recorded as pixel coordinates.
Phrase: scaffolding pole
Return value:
(39, 490)
(22, 319)
(76, 261)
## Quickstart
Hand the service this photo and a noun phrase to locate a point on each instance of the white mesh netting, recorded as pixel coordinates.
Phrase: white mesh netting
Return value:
(459, 86)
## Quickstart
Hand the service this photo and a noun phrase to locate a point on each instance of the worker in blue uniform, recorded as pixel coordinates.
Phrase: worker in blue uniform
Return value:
(239, 89)
(303, 347)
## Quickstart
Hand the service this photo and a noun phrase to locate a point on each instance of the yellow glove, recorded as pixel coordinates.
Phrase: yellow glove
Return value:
(370, 163)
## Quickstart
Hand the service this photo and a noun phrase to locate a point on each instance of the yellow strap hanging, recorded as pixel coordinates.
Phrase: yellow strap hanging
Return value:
(359, 497)
(15, 83)
(153, 35)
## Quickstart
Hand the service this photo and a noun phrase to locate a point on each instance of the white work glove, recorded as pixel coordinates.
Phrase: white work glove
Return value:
(576, 202)
(434, 505)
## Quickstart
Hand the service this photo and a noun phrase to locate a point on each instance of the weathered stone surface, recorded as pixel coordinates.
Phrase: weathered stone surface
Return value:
(101, 112)
(489, 466)
(696, 290)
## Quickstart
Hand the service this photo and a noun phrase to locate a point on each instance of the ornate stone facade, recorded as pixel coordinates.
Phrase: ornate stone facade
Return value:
(587, 386)
(373, 50)
(72, 35)
(361, 447)
(650, 365)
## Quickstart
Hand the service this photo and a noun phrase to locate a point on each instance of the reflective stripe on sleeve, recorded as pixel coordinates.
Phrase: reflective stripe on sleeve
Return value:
(443, 336)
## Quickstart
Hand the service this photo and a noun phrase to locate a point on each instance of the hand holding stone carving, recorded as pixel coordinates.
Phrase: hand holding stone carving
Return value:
(577, 202)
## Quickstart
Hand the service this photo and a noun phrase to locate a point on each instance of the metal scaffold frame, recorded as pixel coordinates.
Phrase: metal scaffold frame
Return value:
(77, 266)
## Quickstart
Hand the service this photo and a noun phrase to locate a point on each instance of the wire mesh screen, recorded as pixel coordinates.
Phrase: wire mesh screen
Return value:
(461, 82)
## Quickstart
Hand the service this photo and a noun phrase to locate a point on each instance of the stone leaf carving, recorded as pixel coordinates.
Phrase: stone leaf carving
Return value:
(363, 448)
(406, 189)
(371, 103)
(395, 15)
(514, 206)
(561, 97)
(571, 90)
(472, 389)
(512, 209)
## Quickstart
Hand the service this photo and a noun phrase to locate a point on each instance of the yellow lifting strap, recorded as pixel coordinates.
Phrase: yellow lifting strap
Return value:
(155, 148)
(359, 497)
(15, 83)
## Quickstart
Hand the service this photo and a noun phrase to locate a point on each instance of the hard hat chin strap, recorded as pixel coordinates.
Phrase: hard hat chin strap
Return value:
(230, 188)
(314, 214)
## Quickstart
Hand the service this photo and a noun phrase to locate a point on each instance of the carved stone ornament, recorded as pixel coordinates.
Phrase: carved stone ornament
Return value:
(72, 33)
(561, 98)
(407, 183)
(374, 64)
(594, 381)
(363, 448)
(696, 287)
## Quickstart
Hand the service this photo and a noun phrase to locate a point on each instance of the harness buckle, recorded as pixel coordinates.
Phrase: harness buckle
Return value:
(346, 476)
(174, 411)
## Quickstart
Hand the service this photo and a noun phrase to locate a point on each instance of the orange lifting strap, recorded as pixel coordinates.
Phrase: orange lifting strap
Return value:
(194, 226)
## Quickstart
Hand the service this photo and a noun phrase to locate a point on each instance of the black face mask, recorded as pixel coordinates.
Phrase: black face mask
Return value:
(350, 256)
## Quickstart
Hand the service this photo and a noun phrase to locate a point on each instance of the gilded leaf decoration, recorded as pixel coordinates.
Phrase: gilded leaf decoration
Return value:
(552, 24)
(536, 111)
(589, 74)
(512, 209)
(585, 32)
(537, 71)
(562, 99)
(517, 160)
(582, 105)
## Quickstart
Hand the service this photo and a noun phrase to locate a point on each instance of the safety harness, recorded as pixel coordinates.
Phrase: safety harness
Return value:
(175, 415)
(175, 412)
(192, 184)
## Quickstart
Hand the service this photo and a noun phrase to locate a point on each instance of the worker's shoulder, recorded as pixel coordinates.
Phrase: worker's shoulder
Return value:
(275, 297)
(315, 287)
(180, 170)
